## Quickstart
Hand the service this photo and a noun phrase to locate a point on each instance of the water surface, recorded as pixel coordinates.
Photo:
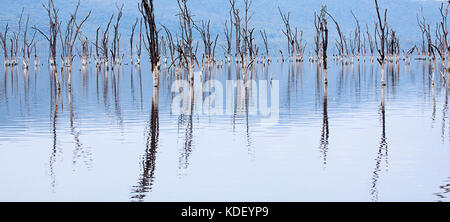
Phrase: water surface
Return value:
(113, 137)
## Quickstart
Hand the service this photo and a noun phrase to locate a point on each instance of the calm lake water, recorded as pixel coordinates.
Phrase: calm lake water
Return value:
(113, 137)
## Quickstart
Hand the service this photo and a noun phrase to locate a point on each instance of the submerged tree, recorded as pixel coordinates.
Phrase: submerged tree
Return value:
(54, 27)
(236, 21)
(115, 47)
(320, 22)
(209, 45)
(229, 36)
(264, 38)
(3, 43)
(70, 36)
(185, 47)
(382, 40)
(295, 42)
(27, 46)
(442, 46)
(148, 14)
(287, 31)
(132, 39)
(339, 43)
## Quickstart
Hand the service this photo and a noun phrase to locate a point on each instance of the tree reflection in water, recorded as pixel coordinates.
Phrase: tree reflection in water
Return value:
(148, 162)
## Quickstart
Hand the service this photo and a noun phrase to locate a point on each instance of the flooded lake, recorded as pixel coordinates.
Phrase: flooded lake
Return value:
(274, 133)
(114, 137)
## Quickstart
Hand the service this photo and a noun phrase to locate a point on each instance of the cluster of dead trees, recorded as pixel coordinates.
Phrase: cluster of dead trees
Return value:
(11, 43)
(437, 47)
(351, 47)
(107, 54)
(181, 51)
(245, 49)
(296, 46)
(239, 35)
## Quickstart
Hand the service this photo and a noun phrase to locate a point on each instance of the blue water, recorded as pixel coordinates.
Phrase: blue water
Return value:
(109, 139)
(114, 137)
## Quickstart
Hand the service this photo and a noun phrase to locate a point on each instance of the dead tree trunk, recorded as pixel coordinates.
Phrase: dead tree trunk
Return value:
(299, 46)
(70, 37)
(131, 40)
(228, 35)
(317, 38)
(237, 27)
(27, 46)
(172, 46)
(207, 42)
(357, 36)
(370, 41)
(115, 48)
(264, 38)
(382, 40)
(15, 41)
(3, 41)
(148, 14)
(340, 42)
(245, 29)
(54, 26)
(186, 48)
(421, 23)
(444, 30)
(287, 31)
(324, 37)
(105, 40)
(85, 54)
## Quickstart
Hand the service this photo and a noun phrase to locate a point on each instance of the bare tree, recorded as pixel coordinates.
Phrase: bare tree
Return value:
(163, 48)
(70, 36)
(252, 48)
(148, 14)
(370, 40)
(172, 46)
(228, 35)
(264, 38)
(85, 54)
(321, 36)
(15, 41)
(209, 44)
(27, 46)
(97, 47)
(340, 42)
(3, 43)
(393, 44)
(245, 29)
(317, 37)
(139, 46)
(236, 21)
(105, 41)
(132, 39)
(444, 30)
(382, 40)
(54, 26)
(300, 45)
(295, 42)
(425, 31)
(115, 47)
(287, 31)
(381, 34)
(186, 49)
(324, 36)
(357, 35)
